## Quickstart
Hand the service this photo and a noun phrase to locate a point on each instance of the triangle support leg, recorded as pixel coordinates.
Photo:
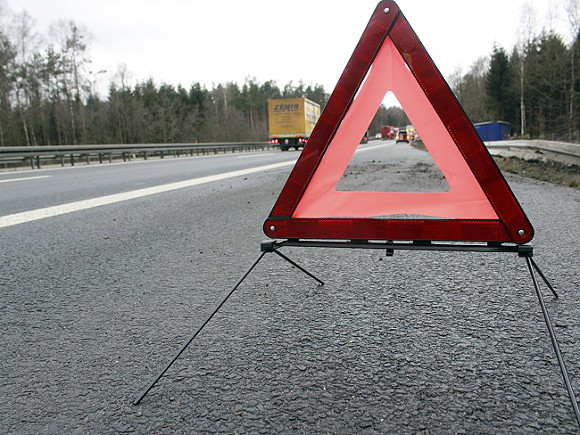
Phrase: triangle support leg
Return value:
(272, 246)
(531, 266)
(544, 278)
(320, 282)
(178, 354)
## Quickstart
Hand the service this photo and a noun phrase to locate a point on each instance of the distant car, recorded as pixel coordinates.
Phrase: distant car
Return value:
(365, 138)
(378, 136)
(402, 136)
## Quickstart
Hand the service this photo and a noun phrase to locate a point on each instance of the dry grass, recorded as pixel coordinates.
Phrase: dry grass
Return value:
(552, 172)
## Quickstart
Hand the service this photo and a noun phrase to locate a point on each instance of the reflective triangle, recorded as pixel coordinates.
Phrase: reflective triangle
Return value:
(479, 205)
(465, 198)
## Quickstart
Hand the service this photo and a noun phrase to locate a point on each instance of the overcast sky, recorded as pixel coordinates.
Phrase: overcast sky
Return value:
(186, 41)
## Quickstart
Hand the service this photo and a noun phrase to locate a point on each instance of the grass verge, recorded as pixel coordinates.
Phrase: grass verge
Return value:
(551, 171)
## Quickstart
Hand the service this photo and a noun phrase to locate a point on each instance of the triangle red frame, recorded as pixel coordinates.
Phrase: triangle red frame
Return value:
(388, 23)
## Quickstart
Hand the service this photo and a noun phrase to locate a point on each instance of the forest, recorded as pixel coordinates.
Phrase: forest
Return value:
(48, 94)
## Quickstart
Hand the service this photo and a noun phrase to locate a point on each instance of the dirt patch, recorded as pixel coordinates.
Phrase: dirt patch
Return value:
(551, 171)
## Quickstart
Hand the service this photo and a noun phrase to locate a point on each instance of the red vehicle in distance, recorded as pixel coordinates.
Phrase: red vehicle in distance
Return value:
(388, 132)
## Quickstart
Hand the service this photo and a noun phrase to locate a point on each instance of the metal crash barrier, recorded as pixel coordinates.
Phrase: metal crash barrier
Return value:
(72, 154)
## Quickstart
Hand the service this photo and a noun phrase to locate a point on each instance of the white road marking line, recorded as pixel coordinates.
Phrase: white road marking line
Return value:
(249, 156)
(371, 147)
(33, 215)
(24, 179)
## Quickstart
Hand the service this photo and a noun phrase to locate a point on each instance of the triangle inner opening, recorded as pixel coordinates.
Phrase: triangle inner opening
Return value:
(464, 197)
(391, 157)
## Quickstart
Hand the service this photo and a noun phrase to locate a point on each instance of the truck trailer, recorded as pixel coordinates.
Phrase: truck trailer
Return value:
(291, 121)
(493, 131)
(388, 132)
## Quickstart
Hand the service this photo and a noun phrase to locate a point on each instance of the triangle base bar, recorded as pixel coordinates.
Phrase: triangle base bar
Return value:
(273, 246)
(387, 229)
(415, 245)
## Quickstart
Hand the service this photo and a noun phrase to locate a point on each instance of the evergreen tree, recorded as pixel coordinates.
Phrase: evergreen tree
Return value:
(498, 86)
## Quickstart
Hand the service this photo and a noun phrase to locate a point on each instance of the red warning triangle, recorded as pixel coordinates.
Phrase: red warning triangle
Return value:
(479, 205)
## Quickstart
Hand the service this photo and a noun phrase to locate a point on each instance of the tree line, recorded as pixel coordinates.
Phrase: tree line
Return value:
(535, 87)
(48, 94)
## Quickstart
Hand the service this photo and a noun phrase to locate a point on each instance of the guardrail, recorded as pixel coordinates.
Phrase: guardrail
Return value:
(100, 153)
(537, 149)
(71, 154)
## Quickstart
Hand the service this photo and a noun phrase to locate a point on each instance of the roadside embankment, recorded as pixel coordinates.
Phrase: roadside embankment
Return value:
(554, 162)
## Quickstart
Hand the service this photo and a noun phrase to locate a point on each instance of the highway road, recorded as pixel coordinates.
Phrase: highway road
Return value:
(32, 195)
(105, 270)
(32, 190)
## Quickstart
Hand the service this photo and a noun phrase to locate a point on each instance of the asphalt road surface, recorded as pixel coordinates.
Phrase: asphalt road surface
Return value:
(106, 270)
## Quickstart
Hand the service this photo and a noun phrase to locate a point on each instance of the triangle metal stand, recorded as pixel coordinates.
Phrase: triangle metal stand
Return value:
(274, 246)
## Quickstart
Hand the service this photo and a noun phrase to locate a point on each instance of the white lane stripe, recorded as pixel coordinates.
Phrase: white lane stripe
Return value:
(29, 216)
(371, 147)
(24, 179)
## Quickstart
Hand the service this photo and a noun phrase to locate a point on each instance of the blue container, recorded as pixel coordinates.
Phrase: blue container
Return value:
(493, 131)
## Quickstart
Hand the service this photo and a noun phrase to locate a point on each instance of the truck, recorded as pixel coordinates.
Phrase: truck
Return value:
(388, 132)
(291, 121)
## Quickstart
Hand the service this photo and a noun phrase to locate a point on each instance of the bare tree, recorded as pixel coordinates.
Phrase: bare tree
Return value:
(25, 43)
(6, 59)
(72, 41)
(571, 7)
(122, 76)
(526, 36)
(469, 89)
